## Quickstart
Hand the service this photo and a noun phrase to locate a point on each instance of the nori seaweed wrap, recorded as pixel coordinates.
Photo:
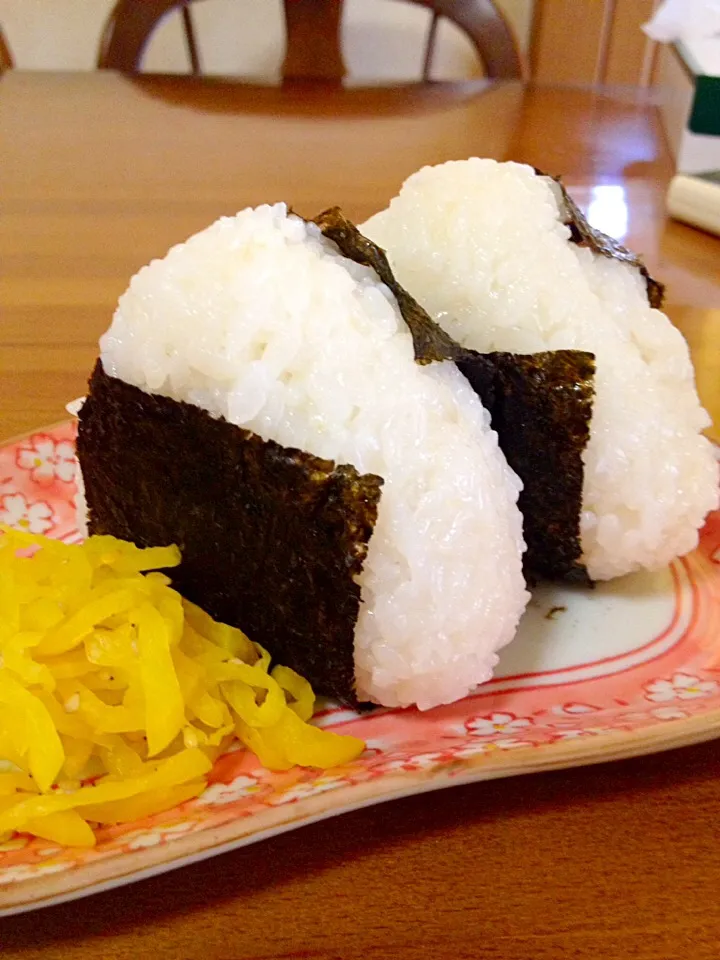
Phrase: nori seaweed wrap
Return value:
(540, 405)
(252, 519)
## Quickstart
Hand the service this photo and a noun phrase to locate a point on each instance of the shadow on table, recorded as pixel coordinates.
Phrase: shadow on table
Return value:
(322, 846)
(313, 98)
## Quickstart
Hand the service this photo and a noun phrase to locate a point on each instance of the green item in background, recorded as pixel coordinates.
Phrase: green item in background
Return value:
(712, 176)
(705, 116)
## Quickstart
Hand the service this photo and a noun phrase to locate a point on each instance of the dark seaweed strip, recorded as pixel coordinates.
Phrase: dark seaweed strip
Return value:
(431, 342)
(271, 537)
(540, 406)
(585, 235)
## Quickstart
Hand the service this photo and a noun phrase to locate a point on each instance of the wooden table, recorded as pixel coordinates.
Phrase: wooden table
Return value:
(97, 175)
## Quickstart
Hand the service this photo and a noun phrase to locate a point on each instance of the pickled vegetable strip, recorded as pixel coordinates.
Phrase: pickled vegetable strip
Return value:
(116, 695)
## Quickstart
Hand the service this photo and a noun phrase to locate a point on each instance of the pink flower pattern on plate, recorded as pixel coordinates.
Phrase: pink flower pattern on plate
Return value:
(681, 686)
(572, 734)
(306, 788)
(669, 713)
(46, 459)
(417, 762)
(492, 724)
(17, 512)
(27, 871)
(221, 793)
(473, 748)
(152, 838)
(574, 709)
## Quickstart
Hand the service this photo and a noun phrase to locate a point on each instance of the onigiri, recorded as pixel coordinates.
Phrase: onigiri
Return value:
(260, 323)
(487, 249)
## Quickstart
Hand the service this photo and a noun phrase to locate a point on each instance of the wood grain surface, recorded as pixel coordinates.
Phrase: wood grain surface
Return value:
(97, 175)
(608, 44)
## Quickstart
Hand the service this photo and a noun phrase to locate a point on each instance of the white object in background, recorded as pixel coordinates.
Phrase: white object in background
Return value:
(696, 200)
(689, 76)
(684, 20)
(698, 153)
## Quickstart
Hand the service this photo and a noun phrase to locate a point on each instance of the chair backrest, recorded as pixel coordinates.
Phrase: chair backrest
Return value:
(488, 30)
(128, 30)
(6, 60)
(313, 36)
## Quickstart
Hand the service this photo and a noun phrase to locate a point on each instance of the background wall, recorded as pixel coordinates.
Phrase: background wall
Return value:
(593, 41)
(381, 39)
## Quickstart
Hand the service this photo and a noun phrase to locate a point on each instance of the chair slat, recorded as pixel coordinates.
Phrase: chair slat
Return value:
(190, 39)
(6, 60)
(313, 49)
(313, 40)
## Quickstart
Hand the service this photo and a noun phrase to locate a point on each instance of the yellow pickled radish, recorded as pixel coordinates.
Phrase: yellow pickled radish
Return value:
(221, 635)
(43, 614)
(144, 804)
(100, 607)
(107, 647)
(164, 706)
(14, 741)
(270, 754)
(67, 724)
(242, 698)
(303, 702)
(184, 766)
(120, 758)
(45, 753)
(309, 746)
(191, 676)
(66, 827)
(17, 658)
(103, 667)
(10, 782)
(209, 710)
(104, 718)
(69, 665)
(77, 756)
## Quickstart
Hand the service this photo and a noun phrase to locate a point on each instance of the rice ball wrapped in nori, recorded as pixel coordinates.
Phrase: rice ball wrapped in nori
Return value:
(487, 249)
(260, 323)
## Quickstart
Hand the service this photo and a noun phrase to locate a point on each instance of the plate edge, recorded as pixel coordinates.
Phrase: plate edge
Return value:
(560, 755)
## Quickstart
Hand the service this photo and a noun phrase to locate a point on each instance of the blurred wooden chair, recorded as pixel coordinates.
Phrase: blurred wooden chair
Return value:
(6, 60)
(313, 50)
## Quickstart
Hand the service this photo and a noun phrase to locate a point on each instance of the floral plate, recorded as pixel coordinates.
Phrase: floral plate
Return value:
(631, 667)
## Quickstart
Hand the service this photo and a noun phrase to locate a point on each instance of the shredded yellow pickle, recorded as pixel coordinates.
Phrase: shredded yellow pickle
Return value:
(117, 695)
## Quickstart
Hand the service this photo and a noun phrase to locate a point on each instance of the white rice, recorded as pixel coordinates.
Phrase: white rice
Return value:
(482, 246)
(258, 319)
